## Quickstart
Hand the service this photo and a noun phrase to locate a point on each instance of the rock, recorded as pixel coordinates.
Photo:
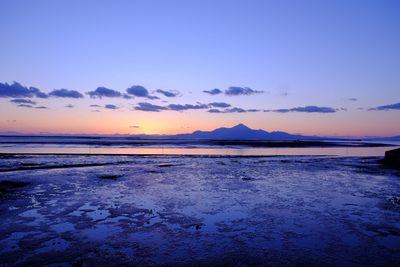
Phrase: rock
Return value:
(392, 157)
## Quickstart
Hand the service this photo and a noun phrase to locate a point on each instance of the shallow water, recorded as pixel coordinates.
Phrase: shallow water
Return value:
(199, 210)
(278, 151)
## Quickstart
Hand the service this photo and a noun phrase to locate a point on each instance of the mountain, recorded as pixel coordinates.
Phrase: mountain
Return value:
(242, 132)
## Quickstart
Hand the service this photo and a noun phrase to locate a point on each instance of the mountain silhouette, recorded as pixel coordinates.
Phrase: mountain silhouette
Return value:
(242, 132)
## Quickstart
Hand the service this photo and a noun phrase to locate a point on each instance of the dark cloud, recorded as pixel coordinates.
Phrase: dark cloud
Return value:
(69, 106)
(65, 93)
(134, 126)
(179, 107)
(41, 107)
(95, 106)
(23, 101)
(17, 90)
(235, 90)
(139, 91)
(214, 91)
(144, 106)
(395, 106)
(96, 110)
(352, 99)
(306, 109)
(103, 92)
(168, 93)
(110, 106)
(219, 105)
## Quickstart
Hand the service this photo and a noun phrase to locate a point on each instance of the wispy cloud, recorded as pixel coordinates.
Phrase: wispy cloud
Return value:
(110, 106)
(140, 91)
(179, 107)
(219, 105)
(232, 110)
(306, 109)
(23, 101)
(236, 90)
(395, 106)
(101, 92)
(69, 106)
(17, 90)
(353, 99)
(144, 106)
(214, 91)
(25, 106)
(168, 93)
(65, 93)
(95, 106)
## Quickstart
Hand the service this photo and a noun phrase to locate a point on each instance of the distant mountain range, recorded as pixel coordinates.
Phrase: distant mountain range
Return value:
(242, 132)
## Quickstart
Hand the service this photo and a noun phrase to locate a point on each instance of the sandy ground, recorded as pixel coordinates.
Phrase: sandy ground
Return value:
(182, 210)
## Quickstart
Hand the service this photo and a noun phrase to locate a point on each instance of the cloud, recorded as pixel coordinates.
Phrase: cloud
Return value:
(352, 99)
(168, 93)
(232, 110)
(96, 110)
(219, 105)
(126, 96)
(139, 91)
(214, 91)
(144, 106)
(69, 106)
(41, 107)
(17, 90)
(25, 106)
(306, 109)
(235, 90)
(214, 110)
(235, 110)
(179, 107)
(23, 101)
(134, 126)
(103, 92)
(110, 106)
(95, 106)
(395, 106)
(65, 93)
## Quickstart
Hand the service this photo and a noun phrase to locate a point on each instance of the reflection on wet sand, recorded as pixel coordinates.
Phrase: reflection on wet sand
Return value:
(154, 210)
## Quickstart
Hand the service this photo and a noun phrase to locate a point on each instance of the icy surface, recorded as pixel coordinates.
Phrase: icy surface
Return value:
(110, 210)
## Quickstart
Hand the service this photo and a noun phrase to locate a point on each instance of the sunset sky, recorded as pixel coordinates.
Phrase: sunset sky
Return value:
(311, 67)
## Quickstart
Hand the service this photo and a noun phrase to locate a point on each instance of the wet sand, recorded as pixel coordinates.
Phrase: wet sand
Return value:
(198, 210)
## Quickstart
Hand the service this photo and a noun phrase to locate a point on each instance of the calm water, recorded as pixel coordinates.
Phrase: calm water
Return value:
(79, 149)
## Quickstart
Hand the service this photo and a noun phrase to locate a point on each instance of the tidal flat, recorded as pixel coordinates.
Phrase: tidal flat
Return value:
(93, 210)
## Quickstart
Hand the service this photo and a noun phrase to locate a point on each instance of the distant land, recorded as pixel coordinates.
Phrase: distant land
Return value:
(392, 138)
(238, 132)
(242, 132)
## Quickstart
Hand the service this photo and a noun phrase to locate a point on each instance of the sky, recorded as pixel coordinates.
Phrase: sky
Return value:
(327, 68)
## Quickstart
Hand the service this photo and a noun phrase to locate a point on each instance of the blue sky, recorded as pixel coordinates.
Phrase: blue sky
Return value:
(299, 53)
